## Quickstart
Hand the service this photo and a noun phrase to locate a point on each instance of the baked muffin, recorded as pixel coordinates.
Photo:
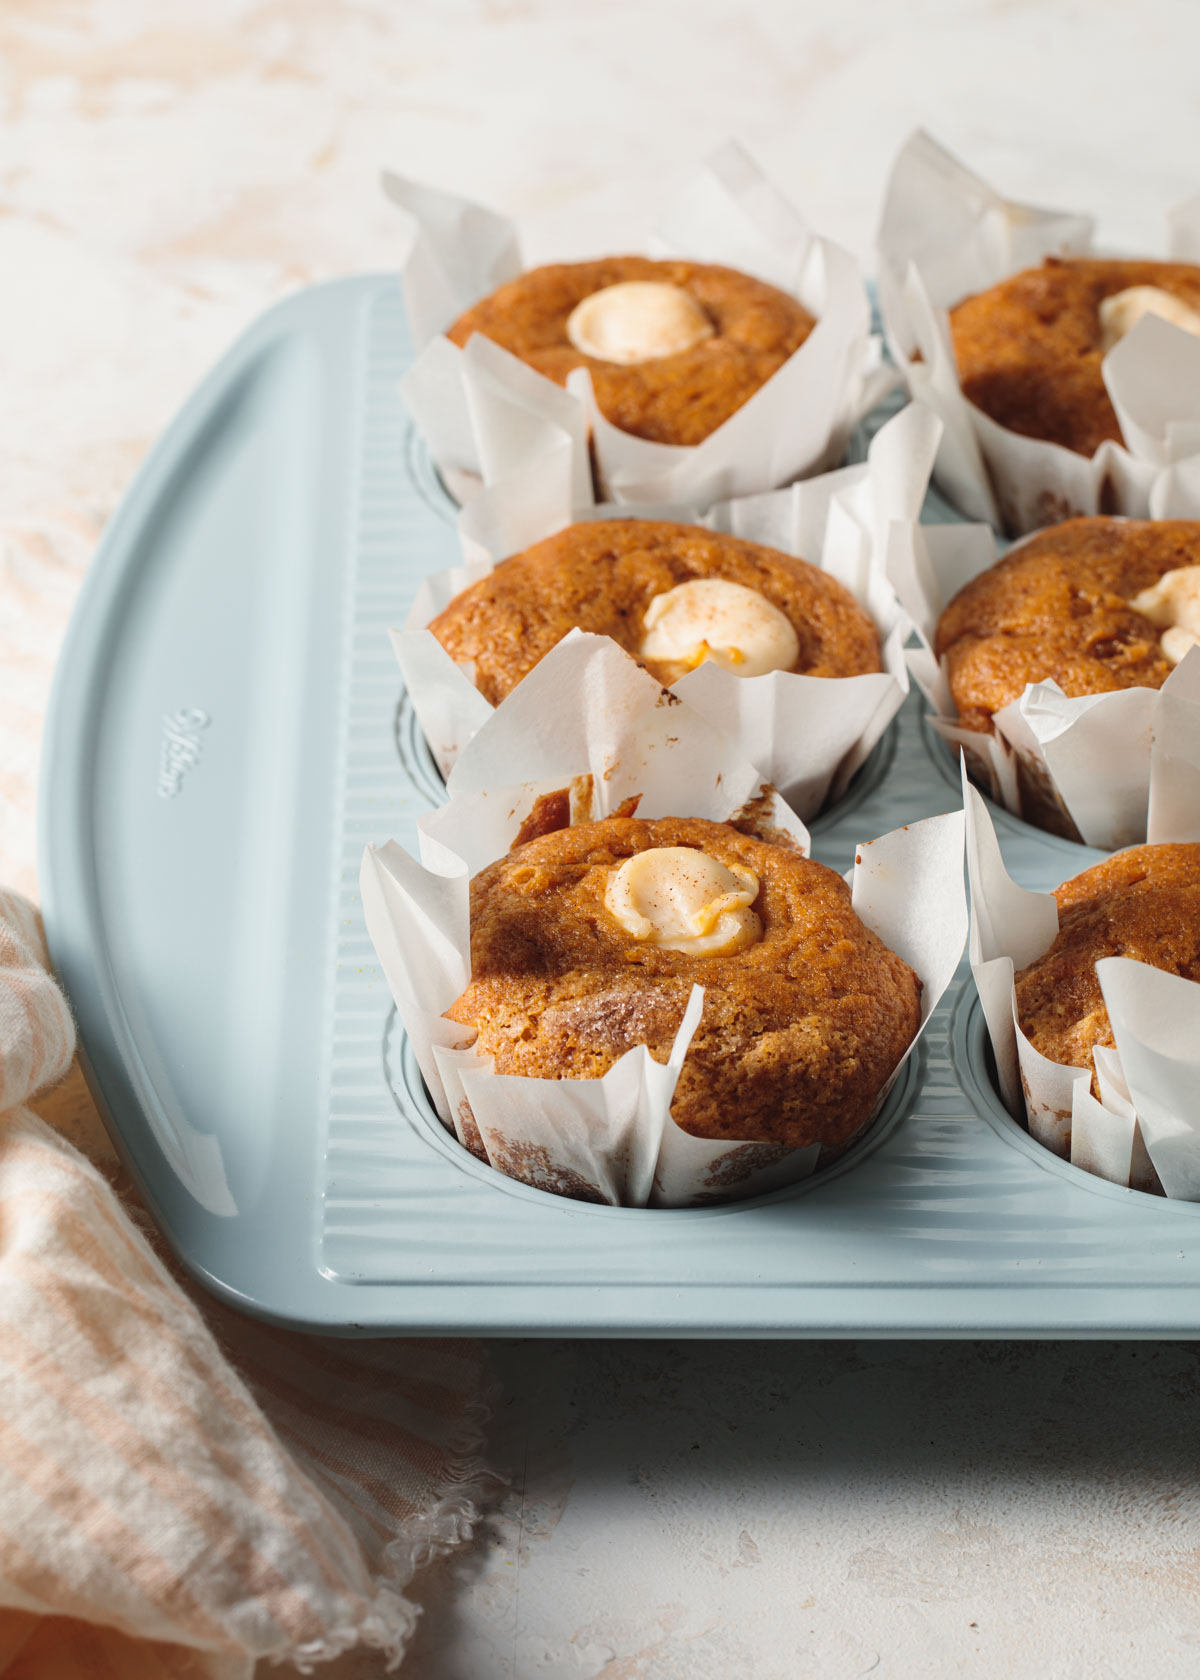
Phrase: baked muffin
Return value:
(674, 348)
(1029, 350)
(586, 941)
(1144, 904)
(1095, 604)
(670, 595)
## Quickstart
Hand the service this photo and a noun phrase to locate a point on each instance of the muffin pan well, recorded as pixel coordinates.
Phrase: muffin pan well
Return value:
(975, 1068)
(1075, 856)
(222, 743)
(413, 1102)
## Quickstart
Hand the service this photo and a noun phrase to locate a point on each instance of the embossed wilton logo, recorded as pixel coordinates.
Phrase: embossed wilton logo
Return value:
(182, 742)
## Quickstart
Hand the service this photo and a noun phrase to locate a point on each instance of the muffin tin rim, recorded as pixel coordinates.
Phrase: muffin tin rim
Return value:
(410, 1095)
(971, 1055)
(425, 477)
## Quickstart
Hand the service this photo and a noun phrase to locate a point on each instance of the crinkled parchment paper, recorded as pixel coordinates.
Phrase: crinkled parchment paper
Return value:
(581, 722)
(807, 735)
(482, 410)
(945, 235)
(1079, 766)
(1144, 1129)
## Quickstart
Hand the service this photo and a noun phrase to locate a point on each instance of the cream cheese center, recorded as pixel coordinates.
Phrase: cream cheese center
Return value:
(637, 321)
(1173, 606)
(681, 899)
(711, 618)
(1121, 312)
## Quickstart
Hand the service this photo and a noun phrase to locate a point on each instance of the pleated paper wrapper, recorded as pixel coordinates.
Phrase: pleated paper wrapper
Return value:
(1080, 767)
(945, 235)
(590, 720)
(1144, 1130)
(807, 735)
(482, 410)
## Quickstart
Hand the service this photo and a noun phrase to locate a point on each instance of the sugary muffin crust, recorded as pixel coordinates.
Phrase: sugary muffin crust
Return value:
(1029, 349)
(675, 399)
(801, 1027)
(1144, 904)
(1058, 607)
(602, 577)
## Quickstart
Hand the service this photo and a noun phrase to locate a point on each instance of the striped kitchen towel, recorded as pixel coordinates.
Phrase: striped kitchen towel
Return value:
(184, 1492)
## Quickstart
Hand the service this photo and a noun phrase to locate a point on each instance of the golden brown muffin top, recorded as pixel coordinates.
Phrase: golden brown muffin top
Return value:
(677, 399)
(800, 1029)
(602, 575)
(1058, 607)
(1029, 349)
(1144, 904)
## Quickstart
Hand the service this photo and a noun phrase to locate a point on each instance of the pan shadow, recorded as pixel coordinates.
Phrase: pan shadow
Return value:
(1084, 1440)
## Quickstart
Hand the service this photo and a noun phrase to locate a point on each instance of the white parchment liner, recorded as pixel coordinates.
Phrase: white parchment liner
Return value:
(1091, 756)
(480, 409)
(807, 735)
(1146, 1126)
(581, 721)
(945, 235)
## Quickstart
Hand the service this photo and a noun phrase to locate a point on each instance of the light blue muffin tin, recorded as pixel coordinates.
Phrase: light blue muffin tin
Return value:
(228, 730)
